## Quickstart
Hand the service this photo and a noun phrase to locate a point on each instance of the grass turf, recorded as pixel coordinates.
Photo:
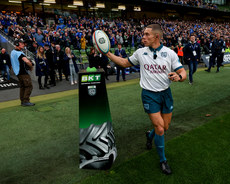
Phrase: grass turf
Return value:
(199, 156)
(40, 144)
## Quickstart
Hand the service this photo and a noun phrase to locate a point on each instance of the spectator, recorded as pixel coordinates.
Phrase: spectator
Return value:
(71, 65)
(67, 40)
(93, 58)
(28, 40)
(5, 64)
(104, 61)
(11, 30)
(192, 56)
(47, 39)
(120, 39)
(138, 39)
(206, 46)
(59, 61)
(83, 42)
(132, 39)
(49, 53)
(42, 68)
(78, 43)
(34, 48)
(39, 38)
(112, 41)
(89, 39)
(121, 53)
(126, 39)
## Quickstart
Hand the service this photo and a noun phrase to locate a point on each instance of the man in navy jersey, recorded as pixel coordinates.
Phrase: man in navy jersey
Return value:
(159, 66)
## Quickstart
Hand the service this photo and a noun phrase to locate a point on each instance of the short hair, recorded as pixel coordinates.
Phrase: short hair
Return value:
(156, 28)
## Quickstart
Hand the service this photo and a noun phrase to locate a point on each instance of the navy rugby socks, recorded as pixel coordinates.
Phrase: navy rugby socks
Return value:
(160, 145)
(152, 133)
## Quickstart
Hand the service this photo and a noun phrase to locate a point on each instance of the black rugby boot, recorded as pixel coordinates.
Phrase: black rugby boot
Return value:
(165, 168)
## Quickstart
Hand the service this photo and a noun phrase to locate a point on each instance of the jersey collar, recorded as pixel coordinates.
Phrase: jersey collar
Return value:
(157, 49)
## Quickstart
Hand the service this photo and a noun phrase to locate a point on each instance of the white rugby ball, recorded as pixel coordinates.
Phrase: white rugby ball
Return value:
(101, 41)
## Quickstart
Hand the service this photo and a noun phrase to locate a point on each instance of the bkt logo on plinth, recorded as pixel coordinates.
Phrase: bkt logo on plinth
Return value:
(91, 78)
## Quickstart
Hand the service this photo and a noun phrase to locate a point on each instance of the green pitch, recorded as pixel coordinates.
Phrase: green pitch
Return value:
(199, 156)
(40, 144)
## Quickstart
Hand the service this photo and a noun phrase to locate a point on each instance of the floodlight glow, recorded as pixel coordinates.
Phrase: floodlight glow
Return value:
(49, 1)
(72, 6)
(15, 1)
(94, 8)
(114, 9)
(44, 4)
(78, 3)
(121, 7)
(100, 5)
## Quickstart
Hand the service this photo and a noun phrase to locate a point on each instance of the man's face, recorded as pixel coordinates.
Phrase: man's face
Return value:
(21, 45)
(3, 51)
(149, 37)
(192, 38)
(35, 45)
(119, 46)
(57, 48)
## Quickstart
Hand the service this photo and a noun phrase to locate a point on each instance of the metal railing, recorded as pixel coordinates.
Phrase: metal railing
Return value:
(11, 42)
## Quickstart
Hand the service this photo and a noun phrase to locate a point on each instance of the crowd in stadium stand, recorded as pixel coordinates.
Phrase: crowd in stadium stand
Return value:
(76, 33)
(193, 3)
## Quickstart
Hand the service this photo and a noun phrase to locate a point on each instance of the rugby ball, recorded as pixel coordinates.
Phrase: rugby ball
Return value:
(101, 42)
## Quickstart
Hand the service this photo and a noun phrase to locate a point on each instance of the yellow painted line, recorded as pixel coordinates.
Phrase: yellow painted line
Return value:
(39, 98)
(8, 104)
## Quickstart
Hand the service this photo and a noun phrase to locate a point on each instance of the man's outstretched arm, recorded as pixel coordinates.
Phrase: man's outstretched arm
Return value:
(123, 62)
